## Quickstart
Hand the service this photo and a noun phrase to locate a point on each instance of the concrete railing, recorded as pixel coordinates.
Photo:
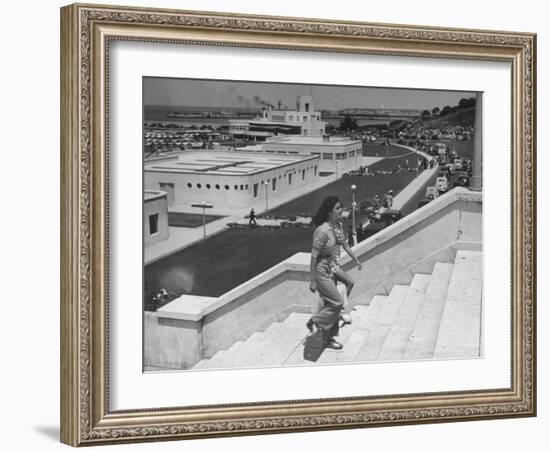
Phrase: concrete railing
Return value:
(191, 328)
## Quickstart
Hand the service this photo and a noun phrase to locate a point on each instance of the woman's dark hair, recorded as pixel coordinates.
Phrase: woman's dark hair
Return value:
(326, 207)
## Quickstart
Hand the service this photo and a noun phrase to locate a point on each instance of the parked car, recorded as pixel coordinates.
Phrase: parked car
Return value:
(388, 216)
(450, 168)
(462, 180)
(426, 200)
(442, 184)
(458, 164)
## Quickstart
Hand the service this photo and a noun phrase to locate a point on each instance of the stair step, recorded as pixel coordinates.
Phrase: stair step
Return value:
(362, 318)
(242, 353)
(351, 348)
(331, 356)
(422, 342)
(224, 358)
(273, 346)
(460, 330)
(395, 345)
(210, 363)
(382, 325)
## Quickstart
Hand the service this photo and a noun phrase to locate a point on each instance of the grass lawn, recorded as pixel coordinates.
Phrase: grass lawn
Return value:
(224, 261)
(176, 219)
(382, 151)
(367, 188)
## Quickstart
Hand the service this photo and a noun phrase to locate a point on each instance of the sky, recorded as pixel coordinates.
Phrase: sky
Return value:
(224, 94)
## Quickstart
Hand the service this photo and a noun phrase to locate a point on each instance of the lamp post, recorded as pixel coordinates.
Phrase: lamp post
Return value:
(266, 184)
(203, 205)
(353, 205)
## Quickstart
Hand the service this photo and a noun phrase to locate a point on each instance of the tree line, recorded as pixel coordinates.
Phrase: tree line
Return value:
(463, 103)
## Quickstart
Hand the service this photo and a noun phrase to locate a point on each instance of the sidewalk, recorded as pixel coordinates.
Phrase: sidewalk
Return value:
(412, 188)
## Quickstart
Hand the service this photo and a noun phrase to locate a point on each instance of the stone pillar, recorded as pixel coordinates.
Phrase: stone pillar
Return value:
(476, 181)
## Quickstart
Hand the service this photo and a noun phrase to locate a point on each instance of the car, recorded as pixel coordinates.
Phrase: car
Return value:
(462, 180)
(458, 164)
(388, 216)
(450, 168)
(442, 184)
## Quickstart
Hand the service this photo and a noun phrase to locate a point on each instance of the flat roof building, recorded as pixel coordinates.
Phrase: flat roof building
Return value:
(338, 155)
(155, 217)
(229, 179)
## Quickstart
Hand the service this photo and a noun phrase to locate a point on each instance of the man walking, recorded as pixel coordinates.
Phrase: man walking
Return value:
(252, 217)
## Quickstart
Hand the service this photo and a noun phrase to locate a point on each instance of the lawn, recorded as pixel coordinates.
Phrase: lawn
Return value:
(383, 151)
(367, 188)
(220, 263)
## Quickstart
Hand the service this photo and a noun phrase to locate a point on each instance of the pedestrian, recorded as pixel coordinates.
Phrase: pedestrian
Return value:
(376, 202)
(252, 217)
(388, 199)
(325, 270)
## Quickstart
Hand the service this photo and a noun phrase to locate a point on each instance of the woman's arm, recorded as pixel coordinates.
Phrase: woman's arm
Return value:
(352, 255)
(312, 264)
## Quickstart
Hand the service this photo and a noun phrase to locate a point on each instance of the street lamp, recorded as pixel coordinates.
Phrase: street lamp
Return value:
(203, 205)
(266, 184)
(353, 205)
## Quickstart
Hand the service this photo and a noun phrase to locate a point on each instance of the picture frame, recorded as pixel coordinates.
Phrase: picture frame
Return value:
(87, 32)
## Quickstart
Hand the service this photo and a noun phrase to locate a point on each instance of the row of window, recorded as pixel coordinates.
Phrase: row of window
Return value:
(239, 127)
(243, 187)
(331, 156)
(304, 118)
(218, 187)
(273, 181)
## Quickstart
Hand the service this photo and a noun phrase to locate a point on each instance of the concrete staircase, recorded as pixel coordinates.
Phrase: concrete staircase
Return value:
(437, 316)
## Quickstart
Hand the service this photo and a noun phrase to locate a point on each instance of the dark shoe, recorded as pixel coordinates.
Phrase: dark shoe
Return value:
(333, 345)
(312, 327)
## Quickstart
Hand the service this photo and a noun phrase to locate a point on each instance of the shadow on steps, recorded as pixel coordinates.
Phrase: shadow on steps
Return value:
(313, 347)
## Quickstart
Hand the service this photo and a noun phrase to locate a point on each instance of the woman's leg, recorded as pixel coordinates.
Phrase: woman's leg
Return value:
(343, 277)
(327, 318)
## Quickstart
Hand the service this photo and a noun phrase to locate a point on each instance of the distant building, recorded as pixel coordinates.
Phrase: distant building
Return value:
(304, 121)
(337, 155)
(155, 217)
(230, 179)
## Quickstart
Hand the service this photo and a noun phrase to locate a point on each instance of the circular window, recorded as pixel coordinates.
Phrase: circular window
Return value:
(226, 187)
(199, 185)
(207, 186)
(218, 186)
(189, 185)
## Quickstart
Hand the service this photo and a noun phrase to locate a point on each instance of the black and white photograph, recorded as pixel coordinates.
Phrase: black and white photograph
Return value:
(291, 224)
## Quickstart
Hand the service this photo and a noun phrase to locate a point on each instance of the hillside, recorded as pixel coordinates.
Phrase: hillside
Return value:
(462, 117)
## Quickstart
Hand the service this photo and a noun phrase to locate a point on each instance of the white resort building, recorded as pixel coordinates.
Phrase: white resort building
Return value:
(230, 179)
(299, 132)
(304, 121)
(338, 155)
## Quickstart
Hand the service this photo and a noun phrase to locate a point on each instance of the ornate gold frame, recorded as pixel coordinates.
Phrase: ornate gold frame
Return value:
(86, 31)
